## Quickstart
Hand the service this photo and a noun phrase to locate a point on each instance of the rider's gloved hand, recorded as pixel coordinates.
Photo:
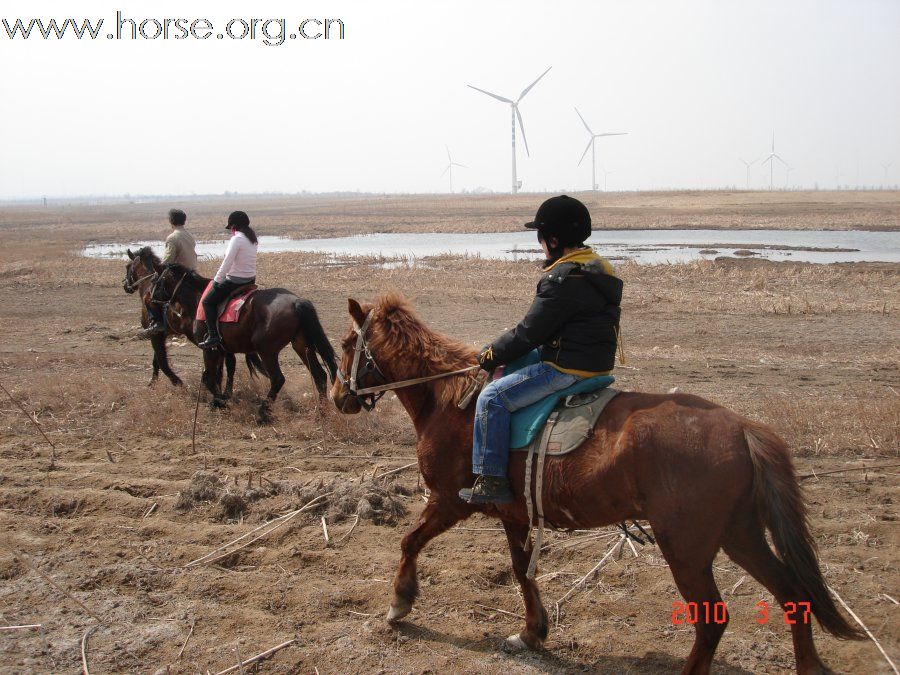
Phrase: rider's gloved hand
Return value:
(486, 358)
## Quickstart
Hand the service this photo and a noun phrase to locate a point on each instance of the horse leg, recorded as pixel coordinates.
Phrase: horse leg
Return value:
(308, 356)
(276, 382)
(155, 376)
(690, 554)
(746, 545)
(161, 357)
(436, 518)
(230, 363)
(212, 366)
(536, 622)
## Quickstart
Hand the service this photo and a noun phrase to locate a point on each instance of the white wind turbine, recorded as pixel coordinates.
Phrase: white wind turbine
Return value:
(449, 168)
(748, 165)
(515, 114)
(771, 160)
(885, 167)
(592, 147)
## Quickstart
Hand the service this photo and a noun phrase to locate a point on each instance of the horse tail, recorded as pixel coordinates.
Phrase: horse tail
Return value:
(315, 334)
(779, 500)
(254, 365)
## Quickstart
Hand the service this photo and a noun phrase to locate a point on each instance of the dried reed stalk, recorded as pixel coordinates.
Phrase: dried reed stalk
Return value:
(863, 626)
(281, 520)
(84, 661)
(258, 657)
(35, 423)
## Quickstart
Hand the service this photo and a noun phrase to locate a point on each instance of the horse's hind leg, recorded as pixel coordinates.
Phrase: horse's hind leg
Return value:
(536, 624)
(230, 363)
(308, 356)
(276, 382)
(690, 553)
(437, 517)
(212, 376)
(746, 545)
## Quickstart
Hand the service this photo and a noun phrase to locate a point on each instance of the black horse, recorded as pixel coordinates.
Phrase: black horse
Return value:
(141, 272)
(270, 319)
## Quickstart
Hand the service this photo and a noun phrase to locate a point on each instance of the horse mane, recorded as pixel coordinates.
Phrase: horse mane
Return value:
(192, 279)
(426, 351)
(147, 256)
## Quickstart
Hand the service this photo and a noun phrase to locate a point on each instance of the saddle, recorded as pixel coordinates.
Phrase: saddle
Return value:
(229, 310)
(575, 410)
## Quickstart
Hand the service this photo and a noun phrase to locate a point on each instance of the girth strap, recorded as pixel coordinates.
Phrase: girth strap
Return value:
(538, 489)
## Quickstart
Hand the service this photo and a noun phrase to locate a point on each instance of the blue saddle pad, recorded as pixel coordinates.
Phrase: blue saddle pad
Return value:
(527, 422)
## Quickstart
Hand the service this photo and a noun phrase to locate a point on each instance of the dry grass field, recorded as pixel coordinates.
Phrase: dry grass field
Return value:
(810, 349)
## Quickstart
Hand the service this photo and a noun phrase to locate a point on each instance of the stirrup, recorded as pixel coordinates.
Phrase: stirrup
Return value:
(211, 342)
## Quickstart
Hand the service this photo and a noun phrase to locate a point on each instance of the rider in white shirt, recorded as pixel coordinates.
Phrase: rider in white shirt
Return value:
(237, 269)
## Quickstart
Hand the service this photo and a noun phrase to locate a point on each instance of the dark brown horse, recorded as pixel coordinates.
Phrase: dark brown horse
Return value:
(705, 477)
(270, 319)
(141, 272)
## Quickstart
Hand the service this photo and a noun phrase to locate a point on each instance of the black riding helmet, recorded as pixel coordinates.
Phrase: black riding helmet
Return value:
(562, 217)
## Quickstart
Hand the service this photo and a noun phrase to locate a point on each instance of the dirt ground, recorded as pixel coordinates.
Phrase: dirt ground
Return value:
(809, 349)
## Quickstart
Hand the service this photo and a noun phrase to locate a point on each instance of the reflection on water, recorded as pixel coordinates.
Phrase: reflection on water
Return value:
(642, 246)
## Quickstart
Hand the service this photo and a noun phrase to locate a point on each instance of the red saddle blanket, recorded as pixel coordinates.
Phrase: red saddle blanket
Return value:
(230, 310)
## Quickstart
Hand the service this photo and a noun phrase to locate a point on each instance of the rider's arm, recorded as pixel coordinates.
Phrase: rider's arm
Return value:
(225, 267)
(549, 310)
(171, 251)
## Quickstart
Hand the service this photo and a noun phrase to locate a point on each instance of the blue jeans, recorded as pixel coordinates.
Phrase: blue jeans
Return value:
(496, 403)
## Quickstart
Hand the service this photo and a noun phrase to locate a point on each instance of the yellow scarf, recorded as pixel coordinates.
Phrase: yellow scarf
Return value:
(583, 256)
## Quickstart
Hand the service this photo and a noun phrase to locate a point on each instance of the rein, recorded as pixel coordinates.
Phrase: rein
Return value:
(368, 396)
(133, 286)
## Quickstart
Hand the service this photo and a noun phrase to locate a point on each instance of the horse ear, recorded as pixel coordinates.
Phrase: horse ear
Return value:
(130, 254)
(359, 316)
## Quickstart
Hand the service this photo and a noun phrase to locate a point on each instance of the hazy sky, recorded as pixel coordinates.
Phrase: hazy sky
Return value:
(696, 84)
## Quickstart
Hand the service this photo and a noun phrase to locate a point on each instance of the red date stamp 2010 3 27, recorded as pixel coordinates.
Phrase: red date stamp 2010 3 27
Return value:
(717, 612)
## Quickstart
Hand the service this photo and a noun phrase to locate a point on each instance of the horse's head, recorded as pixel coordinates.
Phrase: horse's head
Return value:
(358, 368)
(140, 267)
(387, 344)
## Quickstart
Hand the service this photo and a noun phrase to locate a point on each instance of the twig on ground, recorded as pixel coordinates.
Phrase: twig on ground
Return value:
(325, 531)
(21, 556)
(402, 468)
(29, 626)
(196, 410)
(84, 639)
(612, 551)
(150, 510)
(348, 532)
(816, 474)
(863, 626)
(280, 521)
(885, 595)
(501, 611)
(34, 421)
(190, 632)
(258, 657)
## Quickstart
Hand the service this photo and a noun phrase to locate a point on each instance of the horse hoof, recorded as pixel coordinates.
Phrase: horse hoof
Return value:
(396, 613)
(514, 644)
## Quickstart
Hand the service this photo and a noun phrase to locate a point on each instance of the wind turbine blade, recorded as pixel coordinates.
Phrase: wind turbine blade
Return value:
(528, 88)
(445, 170)
(522, 127)
(499, 98)
(617, 133)
(590, 143)
(583, 122)
(780, 160)
(462, 165)
(448, 155)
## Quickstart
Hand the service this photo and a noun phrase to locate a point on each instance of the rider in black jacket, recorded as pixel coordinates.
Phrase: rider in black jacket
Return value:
(573, 322)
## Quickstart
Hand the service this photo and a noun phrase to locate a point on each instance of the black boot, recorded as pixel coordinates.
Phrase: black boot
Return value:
(212, 341)
(488, 490)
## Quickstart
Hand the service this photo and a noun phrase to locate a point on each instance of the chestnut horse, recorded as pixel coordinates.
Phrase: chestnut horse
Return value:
(705, 477)
(270, 319)
(141, 272)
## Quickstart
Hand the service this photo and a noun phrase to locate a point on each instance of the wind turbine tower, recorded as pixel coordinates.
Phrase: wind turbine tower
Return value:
(748, 165)
(449, 168)
(515, 114)
(771, 160)
(592, 147)
(885, 167)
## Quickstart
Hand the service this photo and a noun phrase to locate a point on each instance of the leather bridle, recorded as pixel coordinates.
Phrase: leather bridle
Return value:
(367, 397)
